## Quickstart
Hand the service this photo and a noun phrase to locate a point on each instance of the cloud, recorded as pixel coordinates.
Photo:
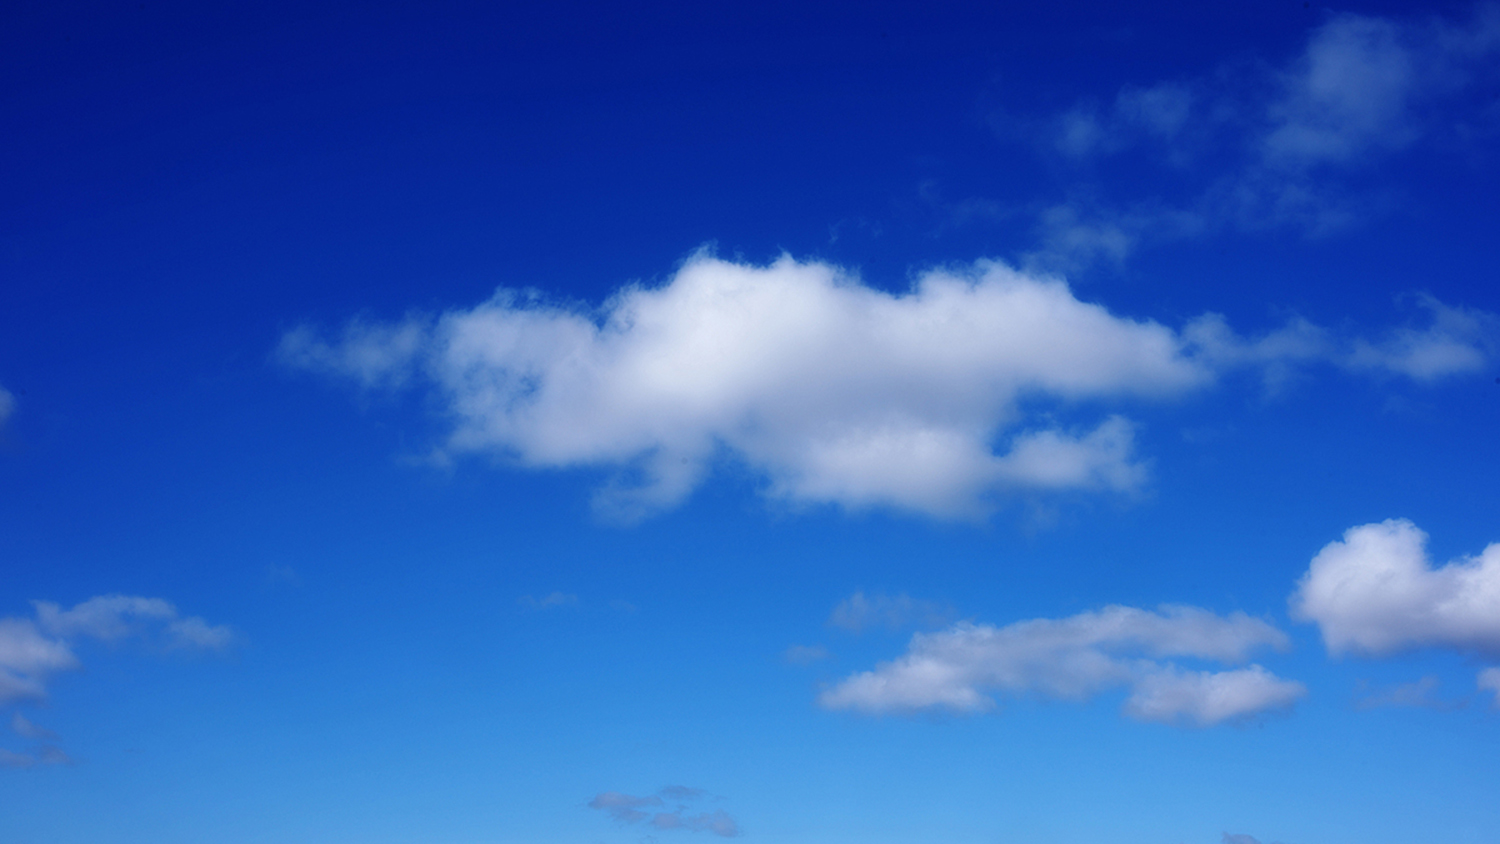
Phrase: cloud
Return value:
(44, 755)
(1457, 341)
(652, 810)
(805, 654)
(1258, 144)
(1077, 657)
(943, 400)
(550, 602)
(25, 729)
(1489, 679)
(7, 405)
(1375, 592)
(1416, 694)
(34, 649)
(858, 612)
(1234, 838)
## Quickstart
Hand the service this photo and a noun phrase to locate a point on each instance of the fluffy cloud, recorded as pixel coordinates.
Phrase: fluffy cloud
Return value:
(835, 391)
(1376, 592)
(1077, 657)
(653, 811)
(34, 649)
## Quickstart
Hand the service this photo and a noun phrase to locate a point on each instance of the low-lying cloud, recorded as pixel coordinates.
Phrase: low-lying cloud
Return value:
(1081, 656)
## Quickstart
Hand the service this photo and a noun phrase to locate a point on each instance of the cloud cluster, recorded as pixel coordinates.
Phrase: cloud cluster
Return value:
(1077, 657)
(654, 811)
(939, 400)
(32, 650)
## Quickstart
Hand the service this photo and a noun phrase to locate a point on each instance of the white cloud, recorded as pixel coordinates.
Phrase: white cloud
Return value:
(1489, 679)
(941, 400)
(32, 650)
(1376, 592)
(834, 391)
(1457, 341)
(1077, 657)
(859, 612)
(654, 812)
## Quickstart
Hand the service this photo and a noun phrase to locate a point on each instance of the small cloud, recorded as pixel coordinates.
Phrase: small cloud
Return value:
(1233, 838)
(1078, 657)
(1489, 680)
(1417, 694)
(7, 405)
(860, 612)
(652, 810)
(26, 729)
(549, 602)
(282, 575)
(1376, 592)
(44, 755)
(805, 654)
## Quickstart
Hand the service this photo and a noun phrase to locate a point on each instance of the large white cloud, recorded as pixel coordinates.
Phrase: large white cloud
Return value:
(1376, 592)
(1077, 657)
(833, 391)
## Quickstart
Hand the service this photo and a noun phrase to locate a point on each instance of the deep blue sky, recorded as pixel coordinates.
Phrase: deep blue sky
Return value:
(427, 614)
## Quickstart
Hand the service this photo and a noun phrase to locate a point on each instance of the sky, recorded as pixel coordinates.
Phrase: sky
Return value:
(461, 423)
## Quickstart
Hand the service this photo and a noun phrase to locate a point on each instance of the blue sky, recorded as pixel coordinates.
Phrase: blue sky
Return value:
(826, 423)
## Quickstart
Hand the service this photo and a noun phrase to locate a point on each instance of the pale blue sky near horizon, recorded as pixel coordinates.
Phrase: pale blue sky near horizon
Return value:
(458, 423)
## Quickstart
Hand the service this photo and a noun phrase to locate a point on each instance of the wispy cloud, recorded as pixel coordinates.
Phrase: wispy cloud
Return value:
(834, 392)
(550, 601)
(1077, 657)
(805, 654)
(1252, 145)
(33, 650)
(1418, 694)
(667, 809)
(859, 612)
